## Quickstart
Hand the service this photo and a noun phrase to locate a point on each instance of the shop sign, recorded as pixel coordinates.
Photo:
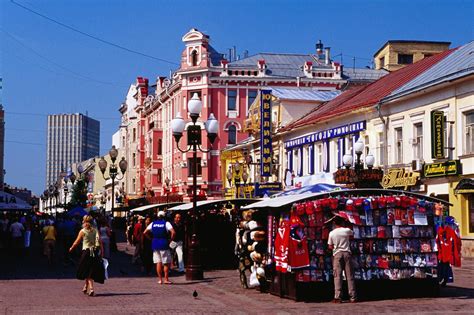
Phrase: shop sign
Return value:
(400, 178)
(451, 167)
(266, 133)
(262, 189)
(327, 134)
(351, 176)
(437, 134)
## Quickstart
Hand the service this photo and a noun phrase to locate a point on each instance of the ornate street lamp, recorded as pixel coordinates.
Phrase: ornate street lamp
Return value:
(113, 170)
(359, 176)
(194, 268)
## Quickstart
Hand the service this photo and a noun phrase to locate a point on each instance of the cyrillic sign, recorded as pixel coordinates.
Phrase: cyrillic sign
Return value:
(437, 134)
(400, 178)
(266, 133)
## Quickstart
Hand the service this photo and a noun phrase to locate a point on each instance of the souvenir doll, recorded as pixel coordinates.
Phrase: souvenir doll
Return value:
(390, 216)
(383, 217)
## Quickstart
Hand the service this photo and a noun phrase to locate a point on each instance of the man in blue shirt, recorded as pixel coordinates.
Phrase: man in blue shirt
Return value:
(162, 233)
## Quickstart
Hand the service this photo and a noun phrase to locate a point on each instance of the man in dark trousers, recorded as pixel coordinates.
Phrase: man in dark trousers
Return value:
(178, 241)
(339, 243)
(162, 233)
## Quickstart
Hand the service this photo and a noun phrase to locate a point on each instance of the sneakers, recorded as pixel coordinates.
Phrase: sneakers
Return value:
(353, 300)
(337, 301)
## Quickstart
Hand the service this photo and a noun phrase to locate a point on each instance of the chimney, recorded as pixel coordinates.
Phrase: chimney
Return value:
(327, 55)
(319, 48)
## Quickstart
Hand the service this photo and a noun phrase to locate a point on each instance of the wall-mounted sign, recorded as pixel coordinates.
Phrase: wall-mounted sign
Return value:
(326, 134)
(400, 178)
(437, 134)
(262, 189)
(266, 133)
(366, 178)
(451, 167)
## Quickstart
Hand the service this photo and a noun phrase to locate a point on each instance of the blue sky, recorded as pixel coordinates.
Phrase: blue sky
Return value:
(48, 69)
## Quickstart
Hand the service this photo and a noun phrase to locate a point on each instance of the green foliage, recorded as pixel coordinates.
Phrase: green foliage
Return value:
(79, 194)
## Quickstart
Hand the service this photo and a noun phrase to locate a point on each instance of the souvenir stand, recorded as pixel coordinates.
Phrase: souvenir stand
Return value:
(394, 245)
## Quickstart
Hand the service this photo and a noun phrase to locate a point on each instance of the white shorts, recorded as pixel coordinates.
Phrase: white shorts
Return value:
(162, 256)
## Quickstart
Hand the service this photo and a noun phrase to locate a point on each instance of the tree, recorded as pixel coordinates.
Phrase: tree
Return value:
(79, 194)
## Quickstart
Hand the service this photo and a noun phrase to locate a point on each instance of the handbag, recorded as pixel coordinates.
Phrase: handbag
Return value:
(105, 263)
(253, 279)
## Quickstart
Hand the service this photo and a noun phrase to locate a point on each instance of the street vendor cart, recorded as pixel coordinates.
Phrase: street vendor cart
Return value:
(394, 249)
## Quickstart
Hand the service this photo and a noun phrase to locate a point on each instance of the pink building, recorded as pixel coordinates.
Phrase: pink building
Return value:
(227, 87)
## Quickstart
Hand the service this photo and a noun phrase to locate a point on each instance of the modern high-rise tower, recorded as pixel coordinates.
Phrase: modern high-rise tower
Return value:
(72, 138)
(2, 139)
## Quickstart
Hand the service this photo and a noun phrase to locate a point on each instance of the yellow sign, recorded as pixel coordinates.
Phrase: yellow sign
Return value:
(398, 177)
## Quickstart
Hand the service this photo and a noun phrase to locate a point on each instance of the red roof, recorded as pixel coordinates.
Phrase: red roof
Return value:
(369, 95)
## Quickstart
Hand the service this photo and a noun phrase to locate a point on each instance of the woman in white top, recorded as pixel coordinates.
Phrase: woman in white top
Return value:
(105, 233)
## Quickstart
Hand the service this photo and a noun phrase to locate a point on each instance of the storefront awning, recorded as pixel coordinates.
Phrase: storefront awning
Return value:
(156, 205)
(465, 186)
(208, 204)
(9, 202)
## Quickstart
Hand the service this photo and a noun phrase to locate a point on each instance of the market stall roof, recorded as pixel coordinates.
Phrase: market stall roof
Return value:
(309, 189)
(287, 201)
(156, 205)
(9, 202)
(214, 203)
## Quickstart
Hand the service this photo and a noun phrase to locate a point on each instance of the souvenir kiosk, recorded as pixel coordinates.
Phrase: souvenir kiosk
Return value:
(394, 246)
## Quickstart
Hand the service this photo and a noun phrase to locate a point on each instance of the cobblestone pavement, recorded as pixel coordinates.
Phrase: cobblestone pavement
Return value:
(29, 286)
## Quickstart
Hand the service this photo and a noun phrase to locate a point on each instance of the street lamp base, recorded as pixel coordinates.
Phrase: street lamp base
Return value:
(194, 273)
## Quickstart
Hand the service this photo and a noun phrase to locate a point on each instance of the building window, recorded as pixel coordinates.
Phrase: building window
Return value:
(232, 100)
(252, 95)
(405, 59)
(418, 141)
(382, 62)
(134, 134)
(398, 145)
(160, 145)
(134, 155)
(306, 162)
(469, 132)
(134, 187)
(381, 149)
(191, 167)
(232, 134)
(194, 58)
(319, 158)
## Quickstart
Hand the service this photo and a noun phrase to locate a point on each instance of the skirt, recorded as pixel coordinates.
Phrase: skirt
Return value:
(90, 267)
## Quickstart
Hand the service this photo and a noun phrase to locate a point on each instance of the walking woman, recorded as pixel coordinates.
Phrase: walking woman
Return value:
(105, 234)
(90, 266)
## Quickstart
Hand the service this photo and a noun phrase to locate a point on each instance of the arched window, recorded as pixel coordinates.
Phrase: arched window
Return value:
(232, 132)
(194, 58)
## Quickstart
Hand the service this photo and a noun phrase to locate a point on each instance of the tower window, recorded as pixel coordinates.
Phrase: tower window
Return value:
(194, 58)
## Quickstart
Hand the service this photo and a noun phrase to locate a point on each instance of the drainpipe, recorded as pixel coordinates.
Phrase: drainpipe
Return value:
(385, 133)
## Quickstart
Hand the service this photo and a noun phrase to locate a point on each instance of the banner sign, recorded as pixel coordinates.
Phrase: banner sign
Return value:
(266, 133)
(262, 189)
(327, 134)
(400, 178)
(451, 167)
(437, 134)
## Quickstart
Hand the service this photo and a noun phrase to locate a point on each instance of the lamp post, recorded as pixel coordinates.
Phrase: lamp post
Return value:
(113, 170)
(167, 183)
(361, 177)
(237, 178)
(245, 176)
(193, 268)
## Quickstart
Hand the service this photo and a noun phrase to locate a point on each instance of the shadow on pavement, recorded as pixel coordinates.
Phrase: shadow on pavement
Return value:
(457, 292)
(117, 294)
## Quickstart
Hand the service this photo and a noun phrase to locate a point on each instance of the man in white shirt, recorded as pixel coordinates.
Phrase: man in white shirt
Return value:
(16, 233)
(339, 243)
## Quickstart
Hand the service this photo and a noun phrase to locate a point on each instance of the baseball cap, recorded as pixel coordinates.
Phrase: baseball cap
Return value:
(161, 213)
